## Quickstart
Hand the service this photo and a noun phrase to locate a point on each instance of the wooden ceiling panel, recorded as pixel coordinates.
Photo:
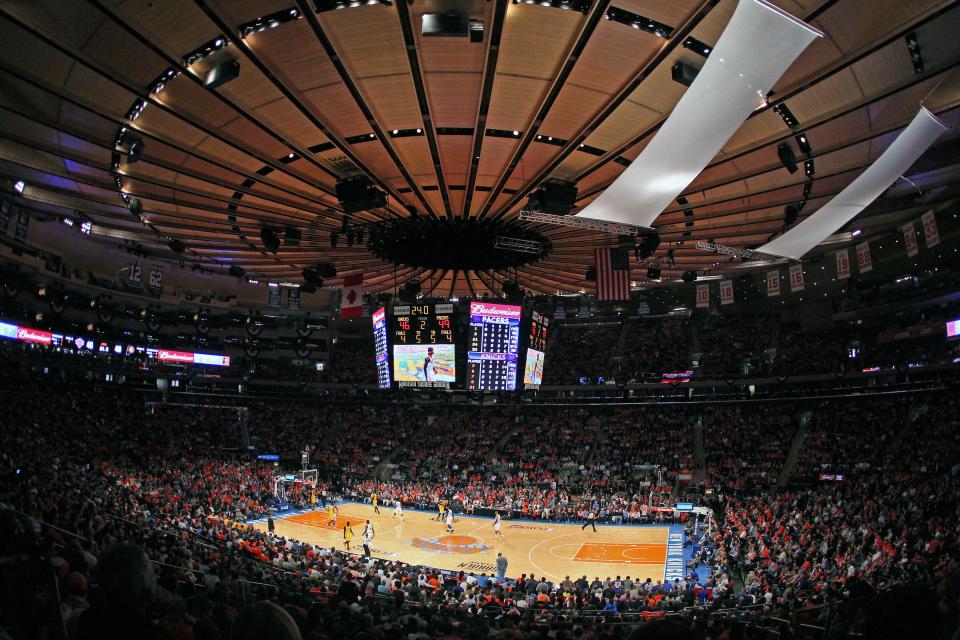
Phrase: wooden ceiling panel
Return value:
(415, 155)
(834, 93)
(883, 70)
(573, 109)
(455, 157)
(853, 23)
(514, 102)
(453, 97)
(294, 51)
(369, 41)
(335, 105)
(496, 155)
(178, 26)
(627, 121)
(536, 40)
(393, 101)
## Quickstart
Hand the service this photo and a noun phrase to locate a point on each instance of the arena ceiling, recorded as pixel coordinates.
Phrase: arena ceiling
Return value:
(450, 129)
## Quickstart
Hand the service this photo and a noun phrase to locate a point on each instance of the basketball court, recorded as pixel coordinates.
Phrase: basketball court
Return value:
(531, 547)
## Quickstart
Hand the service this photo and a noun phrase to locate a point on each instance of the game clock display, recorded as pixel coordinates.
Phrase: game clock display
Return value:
(422, 324)
(494, 343)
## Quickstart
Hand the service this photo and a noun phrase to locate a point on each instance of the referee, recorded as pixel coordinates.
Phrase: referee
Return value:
(591, 519)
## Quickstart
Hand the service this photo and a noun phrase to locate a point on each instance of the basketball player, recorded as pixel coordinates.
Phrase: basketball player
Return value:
(347, 534)
(332, 515)
(449, 520)
(398, 511)
(367, 538)
(373, 500)
(428, 365)
(442, 506)
(497, 534)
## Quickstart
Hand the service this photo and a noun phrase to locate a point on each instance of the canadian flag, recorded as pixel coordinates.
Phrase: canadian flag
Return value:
(351, 296)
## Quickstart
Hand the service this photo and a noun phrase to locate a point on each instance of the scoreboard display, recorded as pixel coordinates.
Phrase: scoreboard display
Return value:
(424, 353)
(536, 348)
(426, 323)
(380, 348)
(494, 344)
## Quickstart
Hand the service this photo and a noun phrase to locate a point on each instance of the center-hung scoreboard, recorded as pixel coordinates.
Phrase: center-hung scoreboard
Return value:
(416, 346)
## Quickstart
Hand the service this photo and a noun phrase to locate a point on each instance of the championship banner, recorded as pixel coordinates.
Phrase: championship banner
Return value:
(843, 264)
(864, 261)
(930, 231)
(773, 283)
(726, 292)
(796, 277)
(703, 296)
(351, 296)
(910, 239)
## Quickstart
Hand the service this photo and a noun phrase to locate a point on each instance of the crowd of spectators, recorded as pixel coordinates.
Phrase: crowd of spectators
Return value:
(352, 360)
(655, 346)
(746, 446)
(135, 514)
(734, 345)
(580, 351)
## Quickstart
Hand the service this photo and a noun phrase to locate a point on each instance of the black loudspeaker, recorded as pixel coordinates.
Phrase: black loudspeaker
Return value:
(790, 213)
(312, 277)
(787, 157)
(648, 245)
(358, 194)
(270, 239)
(451, 25)
(136, 208)
(557, 197)
(653, 273)
(689, 276)
(326, 270)
(176, 246)
(685, 74)
(291, 237)
(591, 275)
(222, 73)
(237, 271)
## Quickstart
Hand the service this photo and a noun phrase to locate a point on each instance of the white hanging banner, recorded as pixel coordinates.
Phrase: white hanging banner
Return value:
(912, 142)
(864, 261)
(726, 292)
(796, 277)
(703, 296)
(758, 44)
(910, 239)
(930, 231)
(773, 283)
(843, 264)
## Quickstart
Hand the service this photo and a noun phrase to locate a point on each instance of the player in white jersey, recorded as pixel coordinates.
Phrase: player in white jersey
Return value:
(449, 520)
(398, 511)
(497, 534)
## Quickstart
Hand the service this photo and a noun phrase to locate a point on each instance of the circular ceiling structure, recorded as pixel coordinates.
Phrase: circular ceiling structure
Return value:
(187, 127)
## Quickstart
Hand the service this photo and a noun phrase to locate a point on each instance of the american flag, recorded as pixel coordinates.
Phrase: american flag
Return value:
(613, 274)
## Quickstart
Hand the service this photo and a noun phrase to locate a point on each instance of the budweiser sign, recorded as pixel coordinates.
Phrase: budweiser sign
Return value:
(495, 310)
(174, 356)
(34, 335)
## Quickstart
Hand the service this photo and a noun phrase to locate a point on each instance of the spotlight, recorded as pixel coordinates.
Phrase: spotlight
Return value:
(787, 157)
(803, 143)
(136, 208)
(19, 186)
(808, 168)
(135, 151)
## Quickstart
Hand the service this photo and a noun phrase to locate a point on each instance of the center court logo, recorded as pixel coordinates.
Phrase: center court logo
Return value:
(450, 544)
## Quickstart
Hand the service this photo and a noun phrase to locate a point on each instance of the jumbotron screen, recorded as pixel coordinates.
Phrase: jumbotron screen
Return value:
(424, 363)
(494, 343)
(953, 329)
(536, 346)
(380, 347)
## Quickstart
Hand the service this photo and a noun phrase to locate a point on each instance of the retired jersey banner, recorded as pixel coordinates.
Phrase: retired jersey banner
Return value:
(726, 292)
(930, 232)
(796, 277)
(910, 239)
(773, 283)
(351, 296)
(864, 261)
(843, 264)
(703, 296)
